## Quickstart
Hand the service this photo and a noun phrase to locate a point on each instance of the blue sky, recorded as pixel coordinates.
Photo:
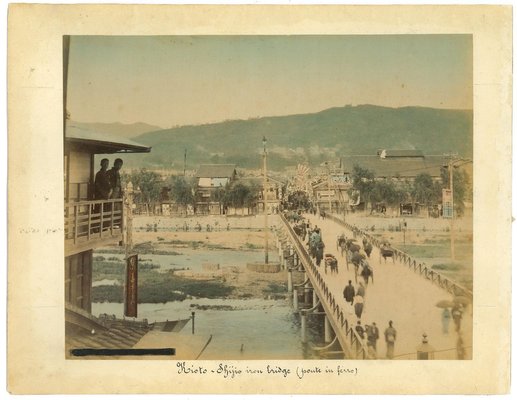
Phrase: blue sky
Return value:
(182, 80)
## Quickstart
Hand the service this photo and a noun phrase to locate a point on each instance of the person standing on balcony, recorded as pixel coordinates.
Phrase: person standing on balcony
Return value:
(102, 182)
(116, 191)
(102, 191)
(115, 181)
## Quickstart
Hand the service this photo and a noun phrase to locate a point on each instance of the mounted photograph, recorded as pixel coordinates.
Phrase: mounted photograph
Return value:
(268, 197)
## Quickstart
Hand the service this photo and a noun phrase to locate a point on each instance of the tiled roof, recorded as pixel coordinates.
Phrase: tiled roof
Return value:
(109, 143)
(216, 171)
(401, 153)
(118, 335)
(395, 166)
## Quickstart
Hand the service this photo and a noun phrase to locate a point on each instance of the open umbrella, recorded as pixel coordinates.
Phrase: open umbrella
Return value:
(445, 304)
(465, 301)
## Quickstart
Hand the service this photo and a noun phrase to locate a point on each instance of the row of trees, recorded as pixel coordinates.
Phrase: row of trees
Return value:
(423, 190)
(184, 191)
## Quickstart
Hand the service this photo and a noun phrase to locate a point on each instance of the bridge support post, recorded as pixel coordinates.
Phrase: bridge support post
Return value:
(289, 280)
(328, 330)
(307, 288)
(314, 298)
(304, 326)
(295, 299)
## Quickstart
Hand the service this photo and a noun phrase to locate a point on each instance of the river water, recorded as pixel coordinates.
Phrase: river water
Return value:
(262, 328)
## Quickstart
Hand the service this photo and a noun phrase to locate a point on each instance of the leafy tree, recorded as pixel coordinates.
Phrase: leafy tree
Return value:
(221, 195)
(147, 184)
(363, 180)
(385, 191)
(182, 191)
(253, 195)
(237, 194)
(425, 190)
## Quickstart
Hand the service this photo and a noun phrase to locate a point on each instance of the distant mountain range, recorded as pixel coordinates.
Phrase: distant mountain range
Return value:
(311, 138)
(128, 131)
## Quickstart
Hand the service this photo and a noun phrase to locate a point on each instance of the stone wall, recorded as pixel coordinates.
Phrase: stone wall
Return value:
(265, 268)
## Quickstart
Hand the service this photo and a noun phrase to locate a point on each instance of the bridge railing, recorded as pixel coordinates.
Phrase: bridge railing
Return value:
(356, 348)
(418, 267)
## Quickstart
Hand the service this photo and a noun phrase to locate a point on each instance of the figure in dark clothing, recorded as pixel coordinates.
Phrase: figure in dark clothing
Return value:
(116, 190)
(319, 252)
(358, 306)
(102, 182)
(115, 181)
(372, 335)
(359, 329)
(102, 191)
(349, 293)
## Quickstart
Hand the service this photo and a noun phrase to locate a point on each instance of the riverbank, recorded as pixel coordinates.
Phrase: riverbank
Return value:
(178, 265)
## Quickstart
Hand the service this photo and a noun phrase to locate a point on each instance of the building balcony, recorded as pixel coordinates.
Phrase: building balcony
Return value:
(91, 224)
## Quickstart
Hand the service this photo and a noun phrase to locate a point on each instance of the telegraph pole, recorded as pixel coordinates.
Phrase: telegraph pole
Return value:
(451, 187)
(184, 162)
(328, 181)
(266, 249)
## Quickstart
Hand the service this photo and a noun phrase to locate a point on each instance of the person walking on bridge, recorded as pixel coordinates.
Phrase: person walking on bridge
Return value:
(349, 293)
(361, 290)
(372, 334)
(360, 330)
(358, 306)
(390, 335)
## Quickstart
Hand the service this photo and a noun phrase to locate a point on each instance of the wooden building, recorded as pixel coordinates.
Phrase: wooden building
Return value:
(211, 177)
(88, 223)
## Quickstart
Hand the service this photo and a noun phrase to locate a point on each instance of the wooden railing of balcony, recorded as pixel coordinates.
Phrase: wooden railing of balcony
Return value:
(88, 220)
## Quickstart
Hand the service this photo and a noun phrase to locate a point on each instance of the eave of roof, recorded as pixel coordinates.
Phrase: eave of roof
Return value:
(216, 171)
(103, 143)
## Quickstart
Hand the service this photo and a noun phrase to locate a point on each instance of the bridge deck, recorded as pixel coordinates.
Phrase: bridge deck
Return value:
(397, 294)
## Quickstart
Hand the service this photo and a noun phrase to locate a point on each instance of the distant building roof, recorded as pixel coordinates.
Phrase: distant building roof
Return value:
(259, 180)
(389, 167)
(103, 143)
(386, 153)
(216, 171)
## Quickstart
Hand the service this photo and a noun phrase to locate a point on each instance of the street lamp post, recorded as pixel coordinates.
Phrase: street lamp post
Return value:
(266, 249)
(329, 189)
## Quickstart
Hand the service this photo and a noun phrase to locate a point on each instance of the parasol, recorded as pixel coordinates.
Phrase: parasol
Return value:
(465, 301)
(445, 304)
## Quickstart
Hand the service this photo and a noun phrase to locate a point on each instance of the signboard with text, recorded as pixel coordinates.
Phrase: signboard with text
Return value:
(131, 298)
(447, 202)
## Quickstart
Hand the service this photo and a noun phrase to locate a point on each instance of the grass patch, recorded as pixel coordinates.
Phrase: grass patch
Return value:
(107, 293)
(216, 246)
(425, 251)
(115, 250)
(274, 287)
(447, 267)
(163, 253)
(251, 246)
(153, 286)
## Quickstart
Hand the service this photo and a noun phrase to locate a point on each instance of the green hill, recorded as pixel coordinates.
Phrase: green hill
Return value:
(128, 131)
(311, 138)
